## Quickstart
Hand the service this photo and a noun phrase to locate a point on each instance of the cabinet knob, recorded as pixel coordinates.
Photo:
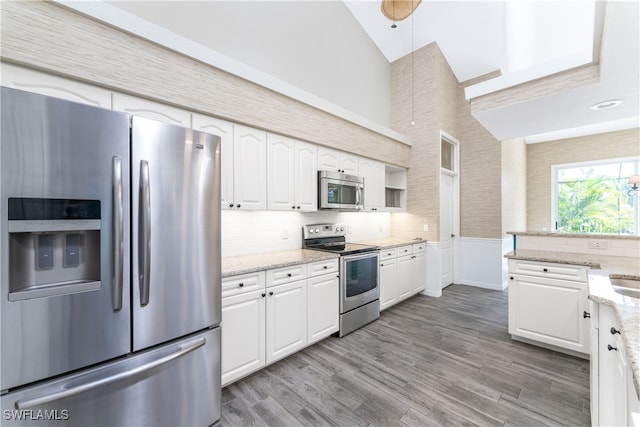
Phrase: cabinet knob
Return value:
(264, 295)
(325, 267)
(511, 278)
(545, 269)
(293, 207)
(381, 265)
(240, 284)
(238, 206)
(230, 205)
(586, 315)
(614, 331)
(610, 347)
(270, 292)
(297, 207)
(288, 274)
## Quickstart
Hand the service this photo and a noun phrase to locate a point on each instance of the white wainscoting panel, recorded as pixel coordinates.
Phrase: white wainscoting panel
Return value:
(433, 288)
(482, 262)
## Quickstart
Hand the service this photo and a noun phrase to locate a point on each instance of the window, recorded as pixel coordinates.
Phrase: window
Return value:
(447, 151)
(594, 197)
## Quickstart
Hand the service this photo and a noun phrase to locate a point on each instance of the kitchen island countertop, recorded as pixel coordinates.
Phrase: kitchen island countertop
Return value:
(391, 242)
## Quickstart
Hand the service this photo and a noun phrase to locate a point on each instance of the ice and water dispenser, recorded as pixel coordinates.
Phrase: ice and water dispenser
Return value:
(54, 247)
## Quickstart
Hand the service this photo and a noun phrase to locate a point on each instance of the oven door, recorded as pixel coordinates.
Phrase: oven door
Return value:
(339, 194)
(358, 280)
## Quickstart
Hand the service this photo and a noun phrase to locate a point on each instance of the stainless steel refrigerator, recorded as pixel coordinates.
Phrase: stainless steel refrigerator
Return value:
(110, 268)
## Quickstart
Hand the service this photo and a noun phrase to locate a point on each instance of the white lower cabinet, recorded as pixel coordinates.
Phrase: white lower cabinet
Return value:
(547, 309)
(402, 273)
(269, 315)
(323, 307)
(614, 401)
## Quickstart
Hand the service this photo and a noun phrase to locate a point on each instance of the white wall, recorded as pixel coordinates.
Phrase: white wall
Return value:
(317, 46)
(248, 232)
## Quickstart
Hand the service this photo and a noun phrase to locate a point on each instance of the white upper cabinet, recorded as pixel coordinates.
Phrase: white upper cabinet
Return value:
(152, 110)
(29, 80)
(249, 168)
(292, 174)
(224, 130)
(373, 173)
(339, 161)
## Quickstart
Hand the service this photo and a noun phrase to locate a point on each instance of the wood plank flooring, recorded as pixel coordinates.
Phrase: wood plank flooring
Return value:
(426, 362)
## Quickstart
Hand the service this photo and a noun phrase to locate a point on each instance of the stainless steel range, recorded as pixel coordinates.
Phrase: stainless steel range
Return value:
(359, 287)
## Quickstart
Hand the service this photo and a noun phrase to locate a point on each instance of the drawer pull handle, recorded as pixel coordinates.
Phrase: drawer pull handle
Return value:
(240, 284)
(586, 315)
(610, 347)
(614, 331)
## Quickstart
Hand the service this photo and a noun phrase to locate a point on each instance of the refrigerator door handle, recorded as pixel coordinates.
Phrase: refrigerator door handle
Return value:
(69, 389)
(118, 224)
(144, 234)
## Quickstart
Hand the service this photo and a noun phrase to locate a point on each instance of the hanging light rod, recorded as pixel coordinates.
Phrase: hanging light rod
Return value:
(397, 10)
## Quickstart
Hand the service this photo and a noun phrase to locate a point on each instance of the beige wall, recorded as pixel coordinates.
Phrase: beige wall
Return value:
(541, 156)
(439, 104)
(89, 51)
(514, 185)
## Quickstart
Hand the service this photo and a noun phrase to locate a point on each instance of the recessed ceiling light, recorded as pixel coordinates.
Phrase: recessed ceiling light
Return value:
(606, 104)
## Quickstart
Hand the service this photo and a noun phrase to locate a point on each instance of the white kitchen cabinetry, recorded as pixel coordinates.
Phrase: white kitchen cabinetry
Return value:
(613, 395)
(547, 304)
(402, 273)
(243, 325)
(269, 315)
(286, 319)
(29, 80)
(373, 173)
(224, 130)
(249, 168)
(338, 161)
(292, 174)
(152, 110)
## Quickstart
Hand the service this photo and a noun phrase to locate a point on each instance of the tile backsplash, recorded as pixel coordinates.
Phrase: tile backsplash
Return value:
(249, 232)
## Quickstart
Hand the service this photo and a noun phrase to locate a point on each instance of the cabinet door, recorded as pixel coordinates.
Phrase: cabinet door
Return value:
(286, 319)
(306, 176)
(243, 335)
(323, 300)
(388, 273)
(224, 130)
(280, 173)
(373, 173)
(151, 110)
(349, 163)
(404, 281)
(549, 311)
(29, 80)
(420, 271)
(328, 159)
(249, 168)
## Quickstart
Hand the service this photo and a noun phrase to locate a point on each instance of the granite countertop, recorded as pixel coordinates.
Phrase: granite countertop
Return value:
(391, 242)
(243, 264)
(581, 235)
(627, 311)
(558, 257)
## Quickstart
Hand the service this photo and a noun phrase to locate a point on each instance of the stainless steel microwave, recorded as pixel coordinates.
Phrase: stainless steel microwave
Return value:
(340, 191)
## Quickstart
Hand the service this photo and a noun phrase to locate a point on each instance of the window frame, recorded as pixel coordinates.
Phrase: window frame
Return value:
(585, 164)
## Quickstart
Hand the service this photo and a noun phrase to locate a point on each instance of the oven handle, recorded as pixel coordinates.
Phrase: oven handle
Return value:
(363, 255)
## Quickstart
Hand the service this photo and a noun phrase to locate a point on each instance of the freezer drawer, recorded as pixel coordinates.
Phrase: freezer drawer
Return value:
(177, 384)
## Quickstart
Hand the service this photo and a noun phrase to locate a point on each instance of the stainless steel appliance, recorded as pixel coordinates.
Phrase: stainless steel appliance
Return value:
(110, 278)
(359, 286)
(340, 191)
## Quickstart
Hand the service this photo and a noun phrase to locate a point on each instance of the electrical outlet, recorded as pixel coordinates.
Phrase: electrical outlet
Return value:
(425, 227)
(598, 244)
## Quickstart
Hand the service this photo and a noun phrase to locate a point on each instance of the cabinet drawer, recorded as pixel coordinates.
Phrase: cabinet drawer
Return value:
(286, 274)
(405, 250)
(322, 267)
(388, 253)
(419, 247)
(244, 283)
(547, 269)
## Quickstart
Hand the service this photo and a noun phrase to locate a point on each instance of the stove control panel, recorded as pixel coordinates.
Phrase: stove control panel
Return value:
(313, 231)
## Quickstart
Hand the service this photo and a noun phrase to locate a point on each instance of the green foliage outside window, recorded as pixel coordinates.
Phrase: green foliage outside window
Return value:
(594, 199)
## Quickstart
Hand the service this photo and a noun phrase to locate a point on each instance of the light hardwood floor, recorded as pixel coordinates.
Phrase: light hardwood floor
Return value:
(426, 362)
